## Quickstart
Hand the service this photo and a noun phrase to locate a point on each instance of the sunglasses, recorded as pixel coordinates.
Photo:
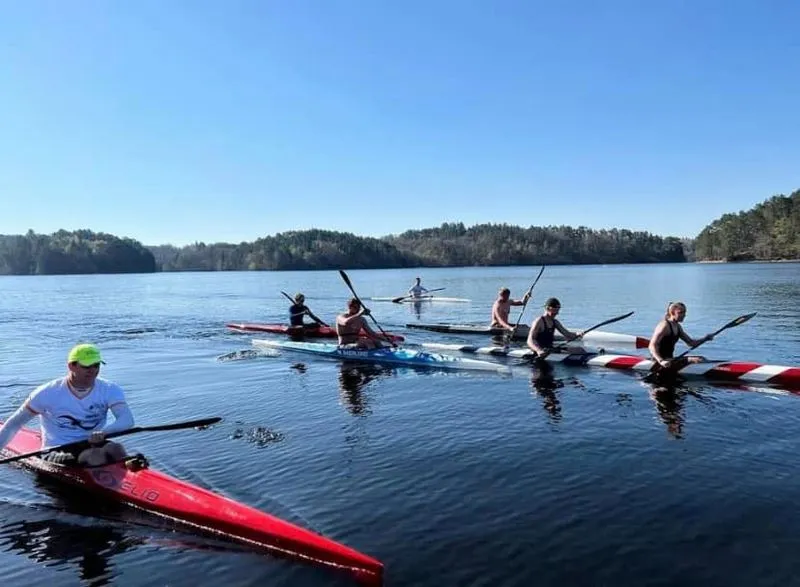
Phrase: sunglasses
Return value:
(93, 366)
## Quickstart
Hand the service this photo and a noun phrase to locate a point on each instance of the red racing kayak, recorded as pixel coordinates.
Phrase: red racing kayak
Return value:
(321, 332)
(195, 507)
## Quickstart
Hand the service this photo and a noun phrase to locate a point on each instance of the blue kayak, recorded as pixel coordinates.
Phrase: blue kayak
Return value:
(394, 356)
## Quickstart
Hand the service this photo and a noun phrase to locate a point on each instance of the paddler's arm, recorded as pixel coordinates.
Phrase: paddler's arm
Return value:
(692, 342)
(521, 302)
(14, 424)
(123, 418)
(568, 334)
(655, 340)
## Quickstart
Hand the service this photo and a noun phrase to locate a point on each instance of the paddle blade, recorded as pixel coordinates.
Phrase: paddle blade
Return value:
(737, 322)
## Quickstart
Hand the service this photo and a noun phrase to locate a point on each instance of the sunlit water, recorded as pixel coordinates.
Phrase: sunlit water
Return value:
(448, 478)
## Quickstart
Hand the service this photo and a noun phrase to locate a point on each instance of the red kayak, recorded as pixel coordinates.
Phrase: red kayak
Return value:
(199, 508)
(321, 332)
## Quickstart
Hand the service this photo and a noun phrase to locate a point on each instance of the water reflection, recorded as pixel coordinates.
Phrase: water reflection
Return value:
(545, 386)
(353, 379)
(49, 541)
(670, 404)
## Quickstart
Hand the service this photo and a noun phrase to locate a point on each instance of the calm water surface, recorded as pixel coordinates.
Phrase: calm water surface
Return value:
(448, 478)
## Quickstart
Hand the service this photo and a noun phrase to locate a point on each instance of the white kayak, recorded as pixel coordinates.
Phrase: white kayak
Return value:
(594, 338)
(388, 355)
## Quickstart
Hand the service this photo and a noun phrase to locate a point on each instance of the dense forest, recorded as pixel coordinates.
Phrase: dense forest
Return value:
(450, 245)
(80, 251)
(771, 230)
(307, 249)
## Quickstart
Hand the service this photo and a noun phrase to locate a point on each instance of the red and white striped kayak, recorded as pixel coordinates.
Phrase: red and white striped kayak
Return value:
(199, 508)
(742, 371)
(321, 332)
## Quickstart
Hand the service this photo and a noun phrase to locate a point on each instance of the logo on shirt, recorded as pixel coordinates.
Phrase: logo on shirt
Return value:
(90, 421)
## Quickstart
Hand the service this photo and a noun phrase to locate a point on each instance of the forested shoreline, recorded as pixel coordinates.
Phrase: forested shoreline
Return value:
(769, 231)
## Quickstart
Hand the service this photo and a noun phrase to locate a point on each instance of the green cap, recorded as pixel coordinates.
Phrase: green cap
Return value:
(85, 354)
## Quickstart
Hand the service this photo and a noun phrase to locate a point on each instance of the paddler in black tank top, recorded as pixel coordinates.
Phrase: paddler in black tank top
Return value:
(667, 334)
(542, 334)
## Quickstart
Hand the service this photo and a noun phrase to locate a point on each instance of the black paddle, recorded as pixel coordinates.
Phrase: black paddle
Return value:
(135, 429)
(309, 312)
(658, 370)
(355, 295)
(561, 347)
(401, 298)
(530, 293)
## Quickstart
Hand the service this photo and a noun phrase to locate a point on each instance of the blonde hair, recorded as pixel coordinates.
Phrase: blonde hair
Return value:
(671, 305)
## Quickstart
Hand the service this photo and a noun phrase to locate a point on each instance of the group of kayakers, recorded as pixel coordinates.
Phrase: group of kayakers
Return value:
(354, 331)
(541, 336)
(74, 408)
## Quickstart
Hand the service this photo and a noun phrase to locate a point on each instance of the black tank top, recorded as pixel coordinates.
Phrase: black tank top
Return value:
(545, 338)
(666, 346)
(296, 314)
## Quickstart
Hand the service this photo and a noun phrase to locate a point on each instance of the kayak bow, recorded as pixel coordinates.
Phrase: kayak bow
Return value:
(199, 508)
(392, 356)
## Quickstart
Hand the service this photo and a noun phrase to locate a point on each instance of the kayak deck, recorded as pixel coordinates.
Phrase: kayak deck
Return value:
(595, 337)
(387, 355)
(199, 508)
(297, 331)
(741, 371)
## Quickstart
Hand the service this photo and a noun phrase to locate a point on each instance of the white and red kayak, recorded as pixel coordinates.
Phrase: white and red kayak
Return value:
(593, 338)
(741, 371)
(199, 508)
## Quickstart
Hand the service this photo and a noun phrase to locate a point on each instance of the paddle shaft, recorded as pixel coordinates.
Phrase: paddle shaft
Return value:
(595, 327)
(355, 295)
(401, 298)
(736, 322)
(530, 293)
(310, 313)
(134, 430)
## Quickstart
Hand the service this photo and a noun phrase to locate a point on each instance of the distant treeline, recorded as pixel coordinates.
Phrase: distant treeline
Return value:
(450, 245)
(81, 251)
(769, 231)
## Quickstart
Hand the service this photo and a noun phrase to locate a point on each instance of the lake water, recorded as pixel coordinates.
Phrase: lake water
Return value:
(448, 478)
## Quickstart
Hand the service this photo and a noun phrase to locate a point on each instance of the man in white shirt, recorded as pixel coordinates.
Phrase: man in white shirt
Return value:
(74, 408)
(417, 290)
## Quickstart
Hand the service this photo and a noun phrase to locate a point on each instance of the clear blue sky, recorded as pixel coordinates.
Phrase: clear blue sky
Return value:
(178, 121)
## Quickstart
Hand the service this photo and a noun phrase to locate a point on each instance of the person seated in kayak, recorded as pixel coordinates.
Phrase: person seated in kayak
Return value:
(298, 310)
(417, 290)
(74, 408)
(542, 334)
(668, 332)
(502, 307)
(351, 324)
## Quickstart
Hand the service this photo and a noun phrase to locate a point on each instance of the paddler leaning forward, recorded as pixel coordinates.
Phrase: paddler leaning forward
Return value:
(668, 332)
(351, 327)
(74, 408)
(542, 334)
